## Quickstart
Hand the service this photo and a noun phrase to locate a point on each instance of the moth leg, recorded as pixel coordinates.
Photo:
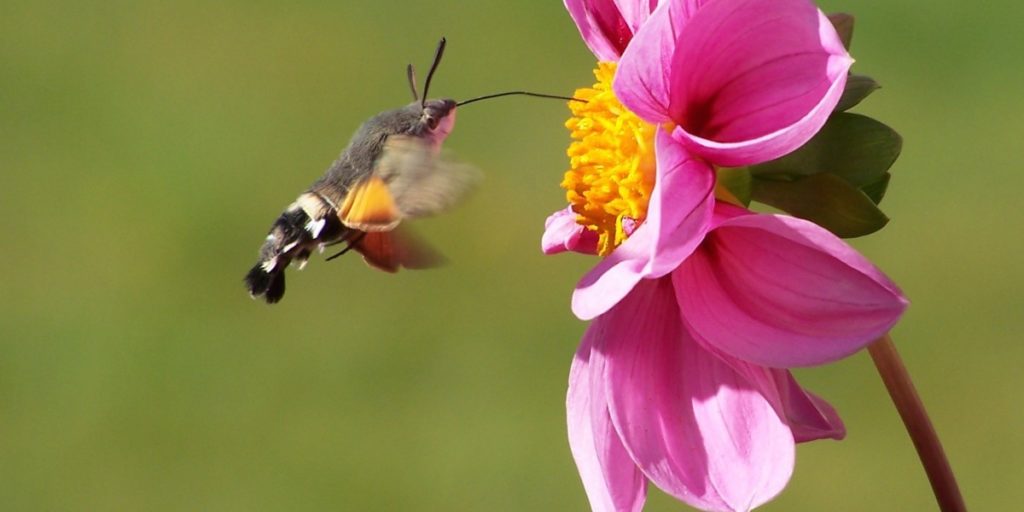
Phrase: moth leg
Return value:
(351, 245)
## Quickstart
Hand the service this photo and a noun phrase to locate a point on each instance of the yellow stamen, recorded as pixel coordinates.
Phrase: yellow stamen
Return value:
(611, 162)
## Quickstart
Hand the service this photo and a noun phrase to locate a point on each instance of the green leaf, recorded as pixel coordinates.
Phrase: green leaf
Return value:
(737, 180)
(876, 190)
(851, 146)
(843, 23)
(857, 88)
(826, 200)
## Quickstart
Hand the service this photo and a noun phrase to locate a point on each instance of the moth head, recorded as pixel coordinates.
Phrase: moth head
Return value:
(438, 118)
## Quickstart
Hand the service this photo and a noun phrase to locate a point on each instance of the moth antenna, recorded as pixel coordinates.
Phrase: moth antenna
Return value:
(433, 67)
(410, 73)
(519, 93)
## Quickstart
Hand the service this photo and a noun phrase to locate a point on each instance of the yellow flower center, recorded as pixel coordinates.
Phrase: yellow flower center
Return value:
(611, 162)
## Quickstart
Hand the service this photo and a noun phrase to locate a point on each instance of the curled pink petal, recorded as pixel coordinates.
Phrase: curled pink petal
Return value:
(809, 416)
(756, 79)
(697, 428)
(611, 479)
(607, 26)
(746, 81)
(562, 233)
(678, 216)
(642, 82)
(783, 292)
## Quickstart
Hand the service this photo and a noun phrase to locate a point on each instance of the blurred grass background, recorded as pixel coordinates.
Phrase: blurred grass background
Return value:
(146, 146)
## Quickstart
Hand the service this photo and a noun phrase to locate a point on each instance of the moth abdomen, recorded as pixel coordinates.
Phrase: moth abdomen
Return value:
(308, 223)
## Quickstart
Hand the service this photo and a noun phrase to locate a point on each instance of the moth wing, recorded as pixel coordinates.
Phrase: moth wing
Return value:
(422, 180)
(410, 179)
(391, 250)
(370, 206)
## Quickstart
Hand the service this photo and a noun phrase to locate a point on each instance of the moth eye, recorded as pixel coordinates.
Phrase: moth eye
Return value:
(432, 122)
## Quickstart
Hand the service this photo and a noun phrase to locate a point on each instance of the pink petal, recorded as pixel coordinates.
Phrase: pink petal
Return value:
(678, 216)
(746, 81)
(758, 78)
(782, 292)
(562, 233)
(642, 81)
(809, 416)
(611, 479)
(607, 26)
(636, 12)
(697, 428)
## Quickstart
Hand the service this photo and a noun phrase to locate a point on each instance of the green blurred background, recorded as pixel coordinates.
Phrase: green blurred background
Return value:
(146, 146)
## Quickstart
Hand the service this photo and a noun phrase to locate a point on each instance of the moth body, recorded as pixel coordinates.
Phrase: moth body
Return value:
(392, 169)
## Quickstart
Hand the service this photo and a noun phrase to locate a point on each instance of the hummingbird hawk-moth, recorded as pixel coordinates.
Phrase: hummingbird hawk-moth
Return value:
(392, 170)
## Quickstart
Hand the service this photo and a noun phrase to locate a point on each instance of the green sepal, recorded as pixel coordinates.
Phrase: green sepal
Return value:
(738, 181)
(856, 148)
(843, 23)
(857, 88)
(825, 199)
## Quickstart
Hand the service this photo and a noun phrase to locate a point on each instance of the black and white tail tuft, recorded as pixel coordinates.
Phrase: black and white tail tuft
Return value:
(306, 224)
(269, 285)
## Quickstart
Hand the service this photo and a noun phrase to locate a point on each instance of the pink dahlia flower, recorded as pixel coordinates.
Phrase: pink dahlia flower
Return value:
(699, 305)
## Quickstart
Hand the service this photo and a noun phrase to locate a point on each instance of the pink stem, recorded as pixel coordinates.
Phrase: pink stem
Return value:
(922, 433)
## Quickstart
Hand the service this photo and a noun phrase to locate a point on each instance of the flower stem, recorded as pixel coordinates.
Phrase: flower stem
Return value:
(919, 426)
